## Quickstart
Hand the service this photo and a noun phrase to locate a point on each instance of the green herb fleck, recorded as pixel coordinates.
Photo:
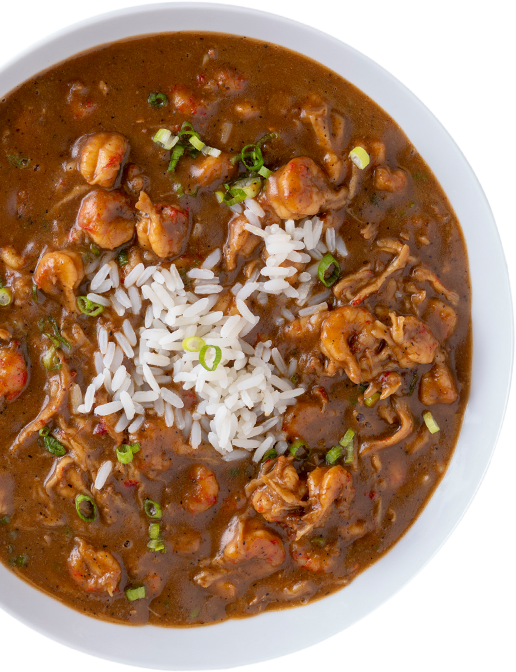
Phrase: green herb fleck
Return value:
(18, 162)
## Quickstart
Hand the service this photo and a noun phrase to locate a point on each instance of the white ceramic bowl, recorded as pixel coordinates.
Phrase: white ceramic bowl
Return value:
(234, 642)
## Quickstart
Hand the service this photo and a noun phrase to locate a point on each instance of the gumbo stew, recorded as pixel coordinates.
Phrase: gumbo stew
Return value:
(235, 330)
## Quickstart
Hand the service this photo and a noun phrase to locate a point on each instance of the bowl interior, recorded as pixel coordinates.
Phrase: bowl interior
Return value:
(233, 643)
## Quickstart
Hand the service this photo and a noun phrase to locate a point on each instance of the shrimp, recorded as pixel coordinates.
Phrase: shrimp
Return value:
(107, 218)
(13, 372)
(325, 487)
(203, 493)
(329, 130)
(93, 570)
(251, 541)
(59, 274)
(314, 557)
(438, 386)
(208, 170)
(102, 157)
(11, 258)
(300, 188)
(277, 491)
(239, 242)
(397, 263)
(422, 274)
(387, 383)
(386, 179)
(346, 336)
(405, 428)
(413, 342)
(161, 228)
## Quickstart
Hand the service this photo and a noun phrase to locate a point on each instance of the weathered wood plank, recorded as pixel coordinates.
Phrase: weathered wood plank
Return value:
(461, 56)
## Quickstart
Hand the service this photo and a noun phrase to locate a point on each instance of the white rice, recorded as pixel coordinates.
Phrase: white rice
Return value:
(103, 474)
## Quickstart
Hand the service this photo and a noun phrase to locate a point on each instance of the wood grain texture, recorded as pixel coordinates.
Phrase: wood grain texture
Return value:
(461, 55)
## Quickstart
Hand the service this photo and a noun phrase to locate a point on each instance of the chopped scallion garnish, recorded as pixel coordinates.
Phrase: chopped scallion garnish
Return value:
(371, 401)
(157, 99)
(57, 333)
(300, 446)
(193, 344)
(18, 162)
(152, 509)
(5, 520)
(124, 453)
(216, 360)
(6, 296)
(318, 541)
(347, 438)
(156, 545)
(51, 360)
(122, 258)
(133, 594)
(269, 455)
(177, 153)
(154, 531)
(334, 454)
(86, 503)
(89, 308)
(430, 422)
(328, 264)
(35, 293)
(50, 443)
(359, 157)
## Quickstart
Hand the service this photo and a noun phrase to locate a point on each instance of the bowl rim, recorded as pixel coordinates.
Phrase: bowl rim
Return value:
(230, 643)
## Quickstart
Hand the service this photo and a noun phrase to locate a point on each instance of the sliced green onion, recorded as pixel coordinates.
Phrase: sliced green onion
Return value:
(122, 258)
(89, 308)
(324, 265)
(193, 344)
(371, 401)
(50, 443)
(54, 446)
(165, 139)
(179, 190)
(318, 541)
(252, 157)
(6, 296)
(216, 361)
(133, 594)
(298, 445)
(177, 153)
(20, 561)
(264, 172)
(18, 162)
(156, 545)
(188, 130)
(347, 438)
(154, 531)
(5, 520)
(359, 157)
(152, 509)
(35, 293)
(51, 361)
(124, 453)
(197, 143)
(269, 455)
(250, 185)
(80, 499)
(430, 422)
(57, 333)
(157, 99)
(334, 454)
(220, 195)
(350, 453)
(195, 612)
(265, 138)
(95, 249)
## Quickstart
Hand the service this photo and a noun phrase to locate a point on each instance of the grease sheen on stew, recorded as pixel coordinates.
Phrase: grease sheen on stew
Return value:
(177, 535)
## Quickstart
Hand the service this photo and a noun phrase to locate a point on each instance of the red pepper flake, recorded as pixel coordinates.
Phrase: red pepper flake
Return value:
(100, 429)
(131, 483)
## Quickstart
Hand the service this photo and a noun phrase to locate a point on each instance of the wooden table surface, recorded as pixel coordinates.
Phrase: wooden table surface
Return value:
(461, 55)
